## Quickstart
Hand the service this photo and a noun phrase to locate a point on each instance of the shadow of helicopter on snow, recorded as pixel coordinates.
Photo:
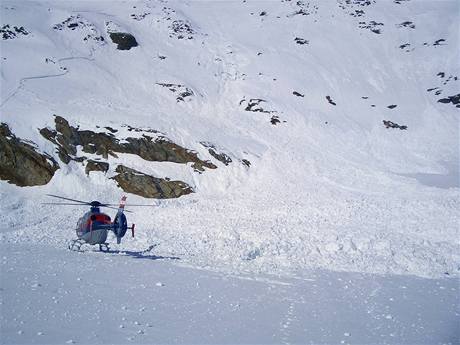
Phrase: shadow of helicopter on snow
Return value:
(145, 254)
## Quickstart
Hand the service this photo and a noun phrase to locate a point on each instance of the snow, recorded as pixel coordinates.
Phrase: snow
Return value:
(339, 222)
(118, 298)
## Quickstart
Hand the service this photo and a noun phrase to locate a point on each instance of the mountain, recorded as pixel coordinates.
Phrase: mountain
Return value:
(270, 137)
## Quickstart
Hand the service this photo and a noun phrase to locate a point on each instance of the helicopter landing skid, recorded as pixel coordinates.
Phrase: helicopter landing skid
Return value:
(76, 245)
(104, 247)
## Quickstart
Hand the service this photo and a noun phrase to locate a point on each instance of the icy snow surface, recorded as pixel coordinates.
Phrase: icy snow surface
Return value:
(329, 187)
(58, 296)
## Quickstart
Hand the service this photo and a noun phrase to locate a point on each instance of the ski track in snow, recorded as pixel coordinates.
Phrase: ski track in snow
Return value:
(23, 81)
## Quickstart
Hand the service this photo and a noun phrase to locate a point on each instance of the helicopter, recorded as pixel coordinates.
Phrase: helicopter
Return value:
(93, 227)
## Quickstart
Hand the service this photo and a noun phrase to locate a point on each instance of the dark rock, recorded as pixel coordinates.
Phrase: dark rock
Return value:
(181, 29)
(9, 33)
(406, 24)
(220, 156)
(298, 94)
(438, 42)
(162, 150)
(455, 100)
(179, 90)
(67, 138)
(96, 166)
(124, 40)
(390, 124)
(301, 41)
(263, 13)
(441, 74)
(329, 99)
(136, 182)
(246, 162)
(357, 13)
(274, 120)
(138, 130)
(139, 17)
(392, 106)
(372, 26)
(80, 24)
(253, 105)
(111, 129)
(21, 164)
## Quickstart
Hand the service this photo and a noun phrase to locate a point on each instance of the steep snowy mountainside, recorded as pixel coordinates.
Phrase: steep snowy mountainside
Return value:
(299, 90)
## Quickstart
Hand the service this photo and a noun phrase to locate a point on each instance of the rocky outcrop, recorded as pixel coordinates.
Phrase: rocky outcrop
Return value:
(246, 162)
(87, 30)
(390, 124)
(160, 149)
(180, 91)
(254, 105)
(96, 166)
(21, 164)
(12, 32)
(123, 40)
(301, 41)
(220, 156)
(135, 182)
(455, 100)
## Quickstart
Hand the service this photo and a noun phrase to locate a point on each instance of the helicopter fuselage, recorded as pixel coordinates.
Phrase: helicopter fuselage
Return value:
(93, 226)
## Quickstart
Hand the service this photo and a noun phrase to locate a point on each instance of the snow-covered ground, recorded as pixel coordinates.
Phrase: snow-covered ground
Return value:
(336, 214)
(53, 296)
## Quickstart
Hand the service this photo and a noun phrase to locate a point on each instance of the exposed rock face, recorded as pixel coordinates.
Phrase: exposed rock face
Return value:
(329, 99)
(390, 124)
(298, 94)
(455, 100)
(21, 164)
(246, 162)
(87, 30)
(8, 32)
(254, 105)
(220, 156)
(124, 40)
(181, 29)
(96, 166)
(301, 41)
(135, 182)
(160, 149)
(181, 91)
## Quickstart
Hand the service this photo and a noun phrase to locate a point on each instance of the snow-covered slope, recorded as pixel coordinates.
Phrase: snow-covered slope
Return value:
(329, 186)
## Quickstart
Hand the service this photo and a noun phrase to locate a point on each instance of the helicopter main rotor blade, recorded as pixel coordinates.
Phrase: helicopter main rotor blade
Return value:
(129, 205)
(61, 197)
(107, 205)
(61, 203)
(69, 204)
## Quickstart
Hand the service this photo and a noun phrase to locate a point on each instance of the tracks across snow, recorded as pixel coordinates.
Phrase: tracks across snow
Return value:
(22, 82)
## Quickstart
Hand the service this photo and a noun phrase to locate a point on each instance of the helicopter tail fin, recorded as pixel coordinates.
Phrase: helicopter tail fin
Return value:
(121, 208)
(120, 220)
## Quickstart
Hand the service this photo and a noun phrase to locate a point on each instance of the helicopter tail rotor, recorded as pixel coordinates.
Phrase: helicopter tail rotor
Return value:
(120, 225)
